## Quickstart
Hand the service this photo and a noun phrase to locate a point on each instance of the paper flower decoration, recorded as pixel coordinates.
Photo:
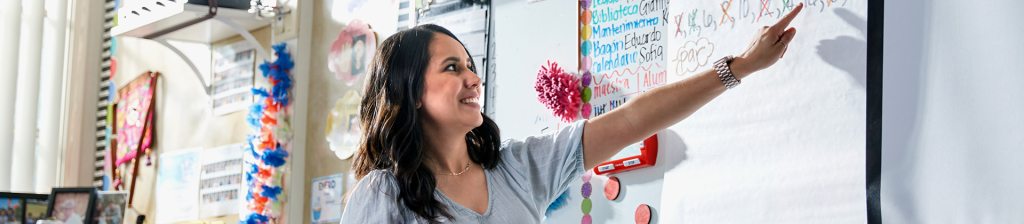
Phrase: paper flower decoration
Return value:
(559, 91)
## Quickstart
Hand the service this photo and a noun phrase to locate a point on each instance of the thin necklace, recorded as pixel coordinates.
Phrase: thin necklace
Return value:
(460, 173)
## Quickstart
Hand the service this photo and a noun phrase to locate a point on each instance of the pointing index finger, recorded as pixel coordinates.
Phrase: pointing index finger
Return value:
(784, 22)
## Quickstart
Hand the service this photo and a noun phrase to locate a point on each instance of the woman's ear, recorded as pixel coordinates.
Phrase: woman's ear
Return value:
(419, 105)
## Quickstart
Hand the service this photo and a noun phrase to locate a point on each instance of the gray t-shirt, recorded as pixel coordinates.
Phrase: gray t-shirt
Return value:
(531, 174)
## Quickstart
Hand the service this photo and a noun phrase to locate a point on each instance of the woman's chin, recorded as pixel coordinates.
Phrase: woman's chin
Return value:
(475, 121)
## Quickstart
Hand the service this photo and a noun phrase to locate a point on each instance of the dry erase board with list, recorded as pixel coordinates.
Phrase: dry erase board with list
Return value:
(786, 146)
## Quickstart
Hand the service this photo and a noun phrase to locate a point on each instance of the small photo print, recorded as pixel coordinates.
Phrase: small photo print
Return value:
(11, 210)
(110, 207)
(35, 209)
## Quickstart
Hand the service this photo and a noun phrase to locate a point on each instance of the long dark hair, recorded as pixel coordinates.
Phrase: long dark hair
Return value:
(393, 137)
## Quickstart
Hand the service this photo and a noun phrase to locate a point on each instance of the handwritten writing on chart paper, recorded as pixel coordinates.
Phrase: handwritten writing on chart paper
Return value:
(695, 21)
(627, 48)
(693, 55)
(692, 22)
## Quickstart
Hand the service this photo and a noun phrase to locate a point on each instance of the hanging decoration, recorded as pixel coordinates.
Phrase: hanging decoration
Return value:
(559, 91)
(343, 125)
(574, 94)
(352, 51)
(135, 115)
(268, 147)
(587, 205)
(585, 61)
(135, 118)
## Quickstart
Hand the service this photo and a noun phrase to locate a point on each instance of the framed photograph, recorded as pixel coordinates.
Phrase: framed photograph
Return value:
(71, 205)
(22, 208)
(35, 207)
(110, 207)
(12, 208)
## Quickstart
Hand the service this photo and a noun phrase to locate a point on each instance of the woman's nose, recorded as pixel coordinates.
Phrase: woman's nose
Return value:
(473, 81)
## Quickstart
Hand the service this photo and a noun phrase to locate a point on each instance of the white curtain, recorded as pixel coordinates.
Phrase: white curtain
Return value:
(31, 85)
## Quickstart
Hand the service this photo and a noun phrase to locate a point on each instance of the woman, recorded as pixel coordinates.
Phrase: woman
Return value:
(428, 155)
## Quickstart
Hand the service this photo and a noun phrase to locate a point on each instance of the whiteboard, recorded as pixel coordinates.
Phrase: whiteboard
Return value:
(786, 146)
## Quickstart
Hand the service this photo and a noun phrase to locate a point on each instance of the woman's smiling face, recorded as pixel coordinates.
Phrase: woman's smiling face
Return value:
(451, 94)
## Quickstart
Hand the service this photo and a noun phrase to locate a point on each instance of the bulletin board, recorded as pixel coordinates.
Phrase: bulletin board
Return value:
(786, 146)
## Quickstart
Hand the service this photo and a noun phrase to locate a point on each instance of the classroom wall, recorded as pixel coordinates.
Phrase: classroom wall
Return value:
(952, 126)
(184, 116)
(951, 123)
(329, 18)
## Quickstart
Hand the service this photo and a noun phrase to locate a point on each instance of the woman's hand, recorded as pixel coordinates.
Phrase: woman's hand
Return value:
(767, 48)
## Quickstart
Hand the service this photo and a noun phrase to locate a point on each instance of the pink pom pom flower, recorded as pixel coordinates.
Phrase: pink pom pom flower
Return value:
(559, 91)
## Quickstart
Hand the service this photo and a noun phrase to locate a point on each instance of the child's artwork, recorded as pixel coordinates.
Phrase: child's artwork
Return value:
(326, 199)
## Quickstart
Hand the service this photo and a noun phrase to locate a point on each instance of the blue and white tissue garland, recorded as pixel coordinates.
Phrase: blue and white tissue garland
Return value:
(269, 145)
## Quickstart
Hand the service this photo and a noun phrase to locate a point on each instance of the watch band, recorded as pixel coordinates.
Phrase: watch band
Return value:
(725, 73)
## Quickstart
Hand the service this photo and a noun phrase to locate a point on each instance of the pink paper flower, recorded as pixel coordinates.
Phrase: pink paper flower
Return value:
(559, 91)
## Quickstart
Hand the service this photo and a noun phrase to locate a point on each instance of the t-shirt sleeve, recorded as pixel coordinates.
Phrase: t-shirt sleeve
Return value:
(374, 200)
(547, 163)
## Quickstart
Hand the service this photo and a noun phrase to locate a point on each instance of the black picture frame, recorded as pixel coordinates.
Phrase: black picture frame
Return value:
(45, 198)
(23, 203)
(5, 214)
(58, 192)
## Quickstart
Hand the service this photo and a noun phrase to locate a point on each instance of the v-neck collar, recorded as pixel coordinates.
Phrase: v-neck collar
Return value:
(490, 198)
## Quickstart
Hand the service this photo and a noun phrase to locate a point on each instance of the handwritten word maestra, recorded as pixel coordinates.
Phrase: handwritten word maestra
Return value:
(609, 88)
(627, 82)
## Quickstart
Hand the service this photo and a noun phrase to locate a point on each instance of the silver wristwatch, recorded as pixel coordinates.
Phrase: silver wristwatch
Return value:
(725, 73)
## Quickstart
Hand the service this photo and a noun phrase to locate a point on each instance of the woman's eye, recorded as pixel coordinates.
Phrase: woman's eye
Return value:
(450, 67)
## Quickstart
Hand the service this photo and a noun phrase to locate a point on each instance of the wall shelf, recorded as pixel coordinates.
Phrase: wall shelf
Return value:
(163, 20)
(174, 20)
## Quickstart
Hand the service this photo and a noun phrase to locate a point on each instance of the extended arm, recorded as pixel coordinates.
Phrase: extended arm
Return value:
(659, 108)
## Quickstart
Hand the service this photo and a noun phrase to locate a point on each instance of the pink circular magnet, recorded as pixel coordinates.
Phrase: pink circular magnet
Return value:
(611, 188)
(643, 214)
